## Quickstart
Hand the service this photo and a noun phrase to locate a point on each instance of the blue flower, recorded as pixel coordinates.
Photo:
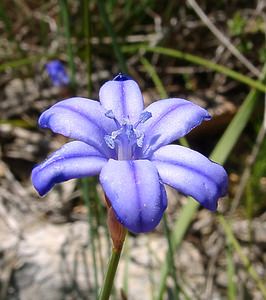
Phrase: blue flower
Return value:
(127, 146)
(57, 73)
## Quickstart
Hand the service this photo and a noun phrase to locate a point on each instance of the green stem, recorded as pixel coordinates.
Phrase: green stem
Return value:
(87, 38)
(170, 256)
(231, 135)
(65, 16)
(154, 76)
(199, 61)
(86, 197)
(231, 286)
(17, 63)
(98, 217)
(126, 269)
(219, 155)
(110, 275)
(112, 34)
(248, 265)
(178, 233)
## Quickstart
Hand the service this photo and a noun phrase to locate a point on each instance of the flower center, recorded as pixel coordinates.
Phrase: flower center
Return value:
(127, 137)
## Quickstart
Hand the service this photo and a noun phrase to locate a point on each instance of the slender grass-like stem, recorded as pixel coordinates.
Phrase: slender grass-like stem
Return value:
(170, 257)
(126, 268)
(220, 154)
(85, 191)
(228, 140)
(17, 63)
(112, 34)
(65, 17)
(110, 274)
(98, 217)
(177, 236)
(87, 38)
(154, 76)
(231, 286)
(118, 234)
(248, 265)
(197, 60)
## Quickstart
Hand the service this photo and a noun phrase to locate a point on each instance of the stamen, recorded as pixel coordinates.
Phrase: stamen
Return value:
(127, 137)
(116, 133)
(140, 139)
(109, 114)
(144, 116)
(109, 141)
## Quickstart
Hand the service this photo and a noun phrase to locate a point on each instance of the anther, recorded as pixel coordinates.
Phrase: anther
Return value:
(109, 114)
(109, 141)
(144, 116)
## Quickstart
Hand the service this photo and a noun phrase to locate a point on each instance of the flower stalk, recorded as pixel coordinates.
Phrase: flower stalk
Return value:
(118, 234)
(110, 275)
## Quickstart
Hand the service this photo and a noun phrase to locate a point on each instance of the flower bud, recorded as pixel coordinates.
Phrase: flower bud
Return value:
(116, 229)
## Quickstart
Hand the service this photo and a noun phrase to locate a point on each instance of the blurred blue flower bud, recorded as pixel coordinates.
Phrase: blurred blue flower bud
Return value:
(57, 73)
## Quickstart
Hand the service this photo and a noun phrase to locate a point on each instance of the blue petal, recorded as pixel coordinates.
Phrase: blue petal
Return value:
(192, 174)
(81, 119)
(171, 119)
(135, 193)
(124, 98)
(74, 160)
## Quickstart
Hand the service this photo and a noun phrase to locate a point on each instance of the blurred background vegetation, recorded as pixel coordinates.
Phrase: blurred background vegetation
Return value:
(210, 52)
